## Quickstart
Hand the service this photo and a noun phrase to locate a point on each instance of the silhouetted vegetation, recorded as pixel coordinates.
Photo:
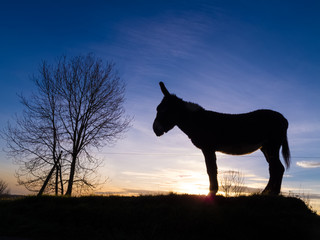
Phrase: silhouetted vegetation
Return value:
(158, 217)
(232, 182)
(4, 190)
(77, 105)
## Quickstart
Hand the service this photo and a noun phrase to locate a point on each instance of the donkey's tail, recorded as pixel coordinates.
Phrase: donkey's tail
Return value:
(286, 151)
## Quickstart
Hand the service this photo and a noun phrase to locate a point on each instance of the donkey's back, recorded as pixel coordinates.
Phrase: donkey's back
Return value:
(238, 133)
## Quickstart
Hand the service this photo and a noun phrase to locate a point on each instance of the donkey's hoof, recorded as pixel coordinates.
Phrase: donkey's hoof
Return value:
(269, 192)
(211, 196)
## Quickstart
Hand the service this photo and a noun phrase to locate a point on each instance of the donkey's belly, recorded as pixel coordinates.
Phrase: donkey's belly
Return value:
(239, 149)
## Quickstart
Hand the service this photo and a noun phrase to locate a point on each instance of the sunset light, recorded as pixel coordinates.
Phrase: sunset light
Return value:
(224, 56)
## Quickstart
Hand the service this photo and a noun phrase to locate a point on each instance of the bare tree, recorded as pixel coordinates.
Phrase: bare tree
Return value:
(92, 110)
(78, 107)
(34, 141)
(3, 188)
(232, 182)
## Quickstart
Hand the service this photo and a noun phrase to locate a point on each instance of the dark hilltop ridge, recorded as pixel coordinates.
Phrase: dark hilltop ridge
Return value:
(158, 217)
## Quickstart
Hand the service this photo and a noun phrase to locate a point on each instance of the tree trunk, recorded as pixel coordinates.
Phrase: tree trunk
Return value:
(55, 166)
(61, 181)
(71, 177)
(57, 180)
(47, 180)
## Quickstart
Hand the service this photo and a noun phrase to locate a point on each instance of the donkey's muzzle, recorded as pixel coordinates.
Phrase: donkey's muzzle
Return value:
(157, 128)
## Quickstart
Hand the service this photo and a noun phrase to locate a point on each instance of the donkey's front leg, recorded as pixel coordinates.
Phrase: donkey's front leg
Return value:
(211, 163)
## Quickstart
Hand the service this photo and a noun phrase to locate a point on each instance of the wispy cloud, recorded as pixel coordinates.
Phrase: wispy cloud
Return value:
(168, 35)
(308, 164)
(190, 52)
(304, 128)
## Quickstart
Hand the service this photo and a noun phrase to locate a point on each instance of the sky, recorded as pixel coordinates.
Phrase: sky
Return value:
(228, 56)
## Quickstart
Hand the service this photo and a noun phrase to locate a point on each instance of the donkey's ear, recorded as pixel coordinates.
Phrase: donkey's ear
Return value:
(164, 90)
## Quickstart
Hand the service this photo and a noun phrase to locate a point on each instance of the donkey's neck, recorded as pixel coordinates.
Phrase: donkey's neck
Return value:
(191, 107)
(188, 115)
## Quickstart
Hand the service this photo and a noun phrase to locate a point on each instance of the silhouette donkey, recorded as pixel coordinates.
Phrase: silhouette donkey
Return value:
(235, 134)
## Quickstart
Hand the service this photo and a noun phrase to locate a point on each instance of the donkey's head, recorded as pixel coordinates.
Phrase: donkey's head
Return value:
(167, 112)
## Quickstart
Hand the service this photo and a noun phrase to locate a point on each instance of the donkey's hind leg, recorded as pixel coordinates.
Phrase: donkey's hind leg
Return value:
(276, 170)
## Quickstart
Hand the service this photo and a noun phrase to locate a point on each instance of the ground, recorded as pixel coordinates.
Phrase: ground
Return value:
(158, 217)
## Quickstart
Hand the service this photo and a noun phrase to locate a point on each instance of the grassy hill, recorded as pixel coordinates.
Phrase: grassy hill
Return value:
(158, 217)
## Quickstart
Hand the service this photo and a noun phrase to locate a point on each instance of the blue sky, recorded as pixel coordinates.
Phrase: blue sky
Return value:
(227, 56)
